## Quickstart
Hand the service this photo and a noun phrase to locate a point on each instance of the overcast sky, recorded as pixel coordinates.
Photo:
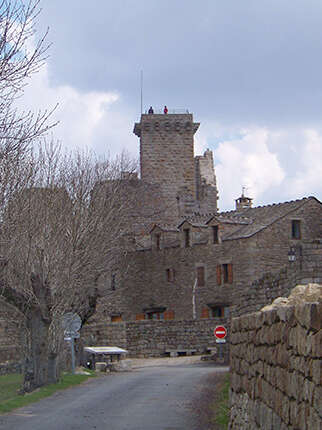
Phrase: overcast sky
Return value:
(250, 72)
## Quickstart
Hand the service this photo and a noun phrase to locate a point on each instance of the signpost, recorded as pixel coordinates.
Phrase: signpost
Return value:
(71, 323)
(220, 333)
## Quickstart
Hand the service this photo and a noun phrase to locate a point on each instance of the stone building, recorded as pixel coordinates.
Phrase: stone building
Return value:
(167, 159)
(187, 266)
(191, 261)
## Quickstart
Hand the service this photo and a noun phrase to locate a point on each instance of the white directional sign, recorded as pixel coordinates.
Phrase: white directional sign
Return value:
(71, 321)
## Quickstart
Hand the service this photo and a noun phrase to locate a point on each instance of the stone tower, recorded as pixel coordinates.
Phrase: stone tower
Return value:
(206, 186)
(167, 157)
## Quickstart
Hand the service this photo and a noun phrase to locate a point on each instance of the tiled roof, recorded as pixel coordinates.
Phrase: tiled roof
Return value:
(165, 227)
(263, 216)
(250, 220)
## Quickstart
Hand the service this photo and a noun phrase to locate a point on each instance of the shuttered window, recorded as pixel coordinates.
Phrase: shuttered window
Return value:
(220, 311)
(170, 275)
(218, 272)
(200, 276)
(205, 313)
(140, 317)
(224, 274)
(169, 315)
(230, 273)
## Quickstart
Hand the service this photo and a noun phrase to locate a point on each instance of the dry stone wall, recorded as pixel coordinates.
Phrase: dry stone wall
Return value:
(153, 338)
(276, 364)
(10, 351)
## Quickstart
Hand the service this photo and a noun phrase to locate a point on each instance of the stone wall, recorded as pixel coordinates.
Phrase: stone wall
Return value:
(166, 154)
(10, 350)
(154, 338)
(276, 364)
(261, 272)
(206, 187)
(307, 268)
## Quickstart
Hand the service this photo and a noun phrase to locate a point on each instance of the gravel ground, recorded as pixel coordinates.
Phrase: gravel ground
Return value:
(164, 361)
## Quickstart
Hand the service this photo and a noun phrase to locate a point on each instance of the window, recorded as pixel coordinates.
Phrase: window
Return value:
(158, 241)
(116, 318)
(155, 316)
(224, 274)
(160, 316)
(186, 233)
(215, 233)
(113, 282)
(296, 229)
(171, 275)
(220, 311)
(200, 276)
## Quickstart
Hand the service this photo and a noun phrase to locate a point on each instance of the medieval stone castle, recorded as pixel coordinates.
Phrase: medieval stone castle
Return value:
(188, 261)
(189, 267)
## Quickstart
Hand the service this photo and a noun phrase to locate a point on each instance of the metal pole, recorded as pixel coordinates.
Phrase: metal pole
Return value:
(141, 91)
(73, 354)
(194, 314)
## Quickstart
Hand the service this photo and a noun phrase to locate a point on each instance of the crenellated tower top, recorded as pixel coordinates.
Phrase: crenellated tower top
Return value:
(167, 154)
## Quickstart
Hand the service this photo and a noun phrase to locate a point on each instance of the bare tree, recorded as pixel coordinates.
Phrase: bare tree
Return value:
(21, 55)
(59, 237)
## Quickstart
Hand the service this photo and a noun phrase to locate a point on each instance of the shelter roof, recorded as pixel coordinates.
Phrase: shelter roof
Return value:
(105, 350)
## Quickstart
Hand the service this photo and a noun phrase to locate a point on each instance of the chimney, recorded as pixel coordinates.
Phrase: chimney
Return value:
(243, 202)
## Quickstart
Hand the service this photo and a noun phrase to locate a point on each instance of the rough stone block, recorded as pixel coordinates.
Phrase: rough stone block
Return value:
(285, 313)
(285, 410)
(276, 421)
(317, 371)
(309, 315)
(314, 421)
(316, 344)
(317, 396)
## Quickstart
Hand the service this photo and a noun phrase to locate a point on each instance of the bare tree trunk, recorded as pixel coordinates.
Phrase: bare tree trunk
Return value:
(36, 364)
(53, 373)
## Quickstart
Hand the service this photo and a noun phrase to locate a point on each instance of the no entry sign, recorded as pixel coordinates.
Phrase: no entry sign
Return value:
(220, 332)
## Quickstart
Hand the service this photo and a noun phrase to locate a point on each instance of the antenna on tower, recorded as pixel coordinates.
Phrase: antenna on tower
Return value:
(141, 77)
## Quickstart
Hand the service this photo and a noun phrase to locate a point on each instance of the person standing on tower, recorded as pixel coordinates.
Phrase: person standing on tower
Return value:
(150, 111)
(165, 110)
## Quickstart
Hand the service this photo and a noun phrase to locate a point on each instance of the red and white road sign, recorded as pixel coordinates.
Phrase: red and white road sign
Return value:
(220, 332)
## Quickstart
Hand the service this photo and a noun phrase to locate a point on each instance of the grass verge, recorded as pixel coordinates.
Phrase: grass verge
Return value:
(212, 404)
(10, 384)
(222, 405)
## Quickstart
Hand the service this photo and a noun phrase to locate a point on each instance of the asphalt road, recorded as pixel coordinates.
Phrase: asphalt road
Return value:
(150, 398)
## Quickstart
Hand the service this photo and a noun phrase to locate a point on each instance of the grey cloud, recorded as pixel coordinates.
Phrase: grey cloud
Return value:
(234, 61)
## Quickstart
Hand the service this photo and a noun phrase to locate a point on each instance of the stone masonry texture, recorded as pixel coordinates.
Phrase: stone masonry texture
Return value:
(276, 365)
(154, 338)
(177, 195)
